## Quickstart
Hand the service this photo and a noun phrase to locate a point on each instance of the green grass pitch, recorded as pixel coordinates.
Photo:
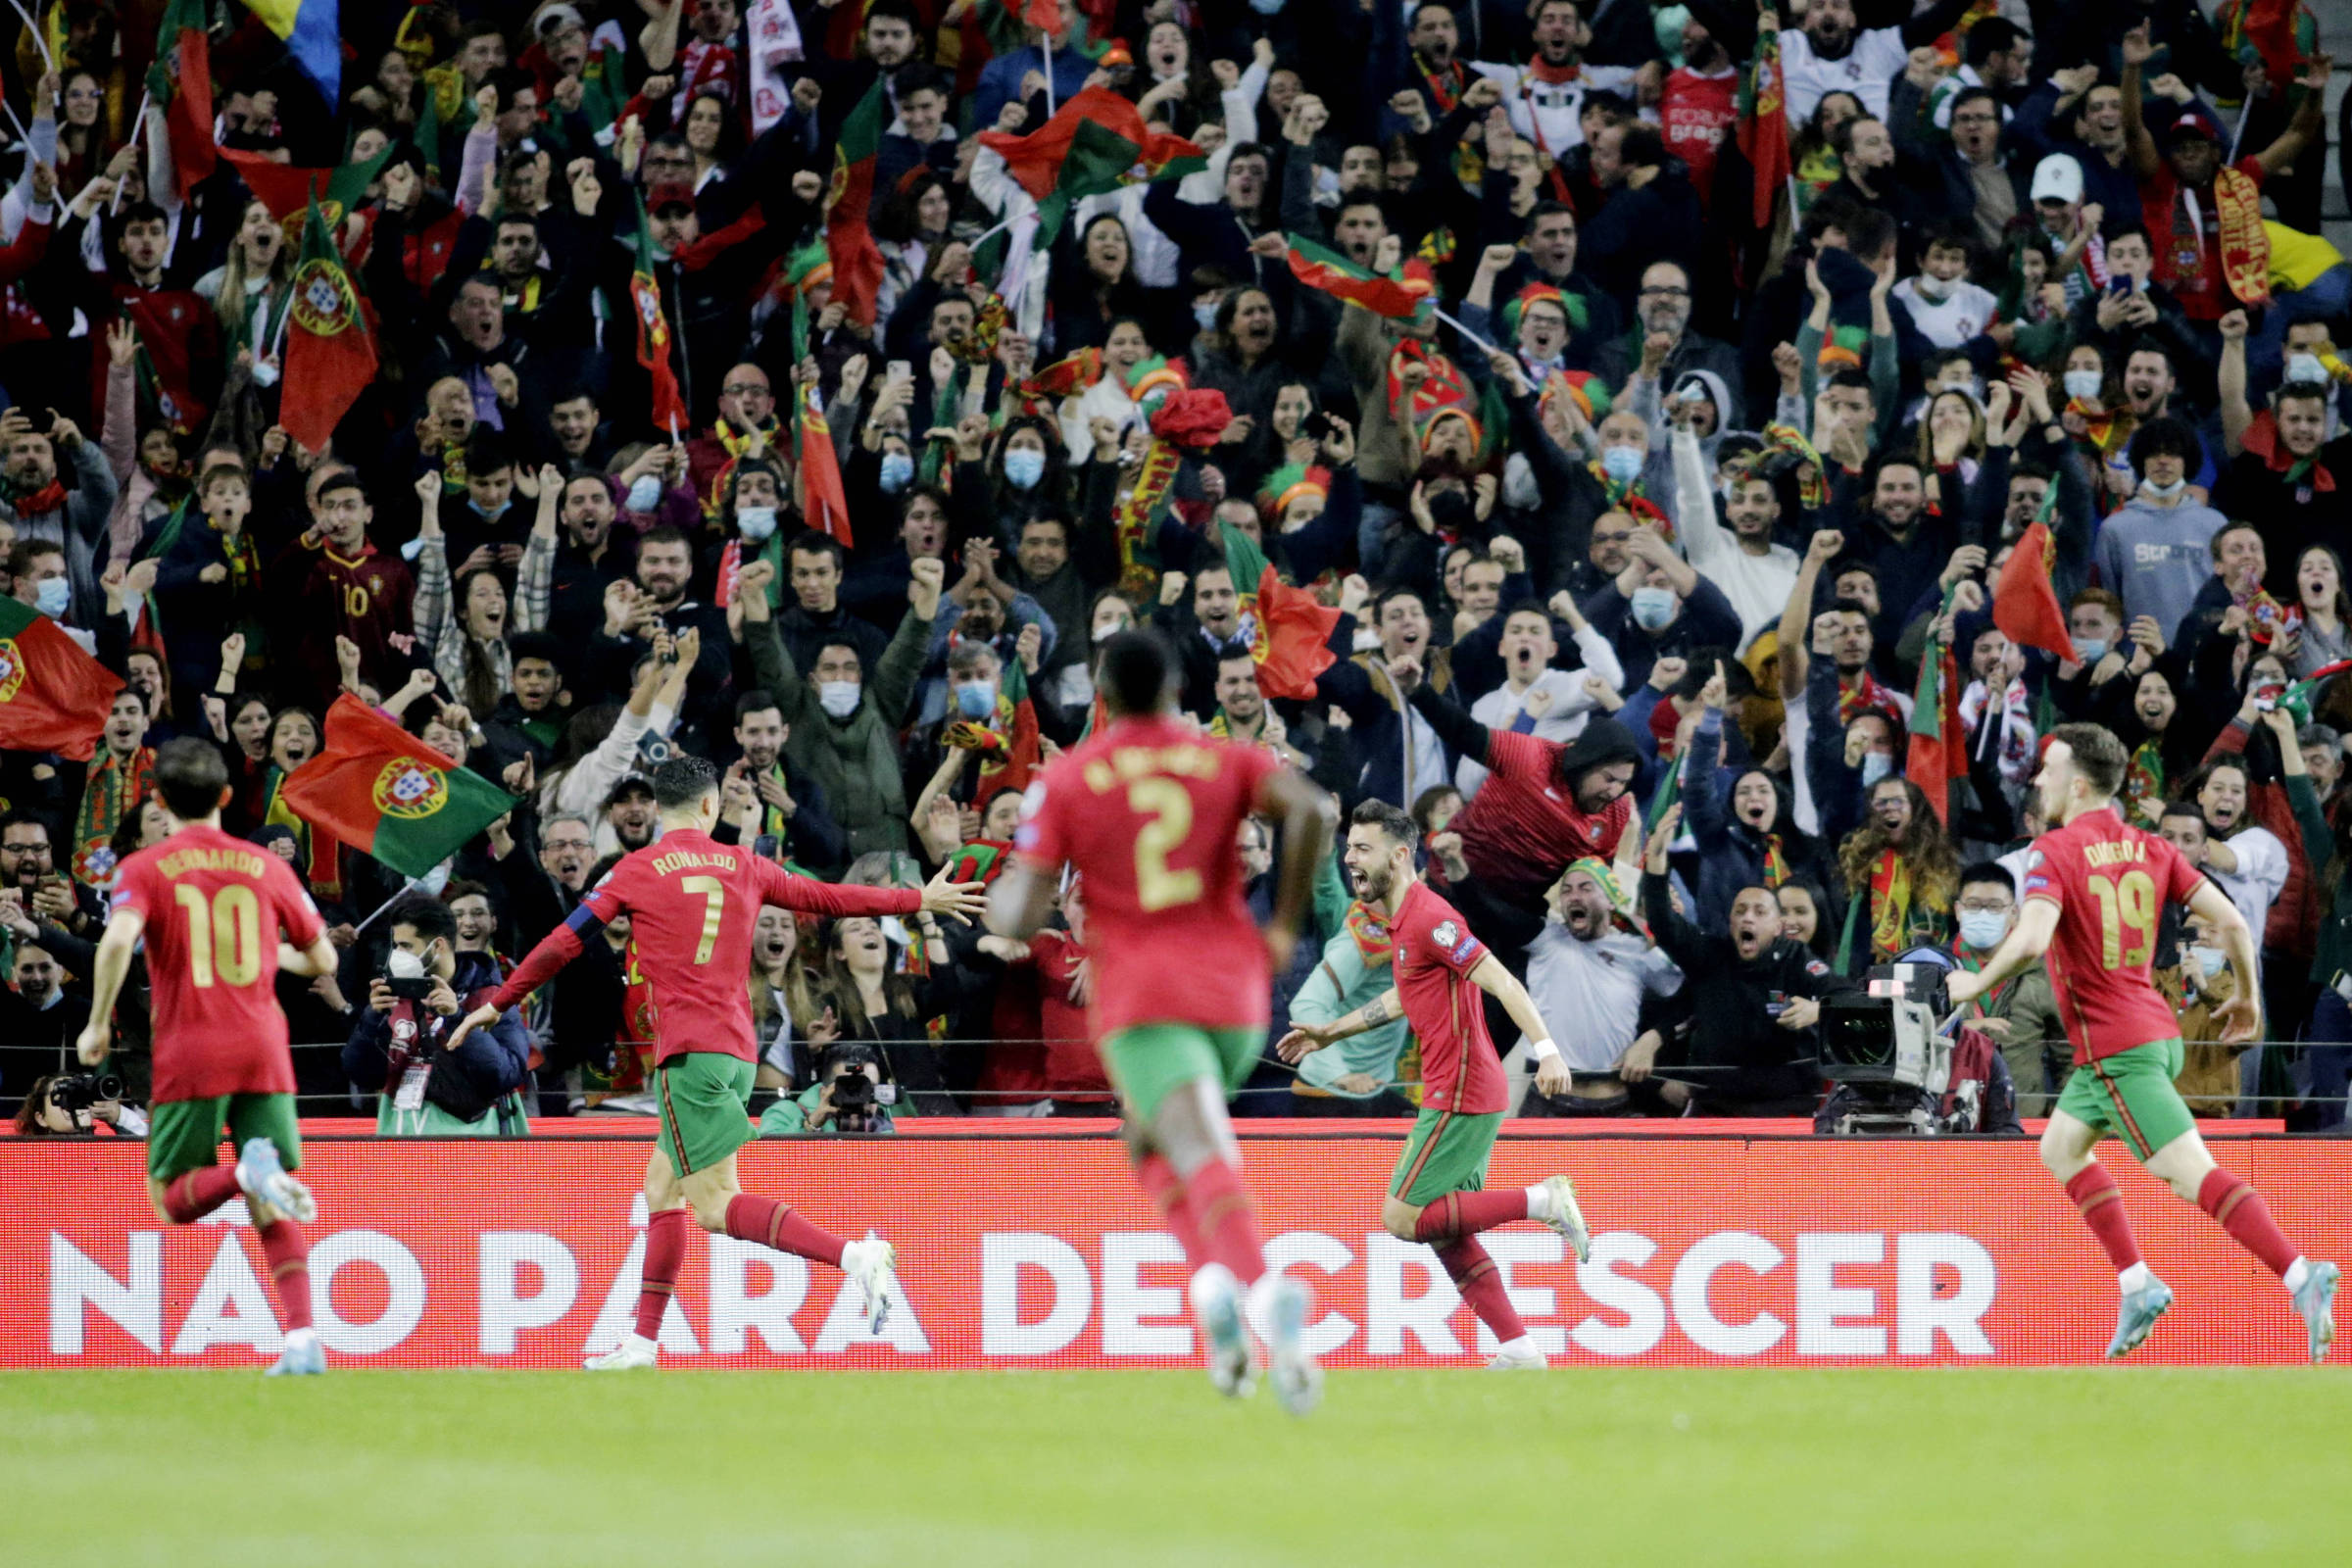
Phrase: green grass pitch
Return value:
(509, 1470)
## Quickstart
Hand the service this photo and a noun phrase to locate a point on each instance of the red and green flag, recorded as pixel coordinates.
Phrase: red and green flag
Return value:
(1938, 749)
(2024, 599)
(1095, 143)
(981, 860)
(181, 84)
(288, 190)
(856, 258)
(53, 696)
(1291, 646)
(825, 502)
(330, 340)
(381, 789)
(1763, 123)
(667, 408)
(1399, 298)
(1007, 742)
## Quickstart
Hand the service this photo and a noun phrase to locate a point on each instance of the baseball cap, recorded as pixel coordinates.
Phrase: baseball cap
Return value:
(2191, 126)
(676, 193)
(2058, 177)
(628, 787)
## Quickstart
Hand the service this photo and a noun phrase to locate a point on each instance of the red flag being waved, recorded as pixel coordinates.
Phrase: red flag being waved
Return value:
(824, 503)
(2025, 602)
(1396, 298)
(1938, 750)
(1293, 628)
(849, 242)
(380, 788)
(1763, 132)
(1095, 143)
(53, 696)
(181, 84)
(331, 340)
(652, 334)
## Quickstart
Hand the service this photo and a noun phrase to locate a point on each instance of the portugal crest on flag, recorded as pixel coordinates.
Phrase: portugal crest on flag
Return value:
(410, 789)
(12, 669)
(323, 301)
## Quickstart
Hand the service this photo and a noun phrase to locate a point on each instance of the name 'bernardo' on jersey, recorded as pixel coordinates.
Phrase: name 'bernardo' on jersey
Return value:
(2115, 852)
(244, 862)
(1131, 762)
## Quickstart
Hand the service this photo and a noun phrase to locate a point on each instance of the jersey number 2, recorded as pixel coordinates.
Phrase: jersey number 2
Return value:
(714, 910)
(1170, 809)
(2127, 918)
(225, 934)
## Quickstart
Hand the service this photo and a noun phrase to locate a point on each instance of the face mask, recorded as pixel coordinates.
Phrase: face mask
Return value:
(2089, 649)
(2305, 368)
(1104, 634)
(2162, 492)
(1930, 288)
(2208, 961)
(976, 699)
(838, 698)
(1875, 766)
(757, 524)
(402, 964)
(2082, 384)
(1267, 8)
(1205, 315)
(1969, 387)
(645, 494)
(52, 597)
(1622, 463)
(1983, 929)
(1024, 467)
(898, 472)
(1653, 607)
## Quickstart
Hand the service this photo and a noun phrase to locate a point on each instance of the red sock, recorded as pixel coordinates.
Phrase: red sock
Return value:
(2102, 1205)
(773, 1224)
(1475, 1275)
(1227, 1217)
(2233, 1201)
(197, 1194)
(289, 1259)
(1468, 1213)
(1165, 1189)
(658, 1281)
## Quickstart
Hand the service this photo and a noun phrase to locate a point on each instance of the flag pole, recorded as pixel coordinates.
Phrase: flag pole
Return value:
(1465, 331)
(409, 886)
(1045, 37)
(139, 127)
(39, 36)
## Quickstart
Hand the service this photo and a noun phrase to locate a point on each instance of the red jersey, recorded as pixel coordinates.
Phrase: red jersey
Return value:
(692, 904)
(1148, 812)
(2111, 883)
(2186, 229)
(1433, 956)
(213, 906)
(1523, 826)
(1695, 112)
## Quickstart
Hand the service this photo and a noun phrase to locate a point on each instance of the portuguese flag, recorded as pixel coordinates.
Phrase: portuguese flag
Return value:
(381, 789)
(1095, 143)
(1327, 269)
(1938, 750)
(981, 860)
(825, 502)
(1008, 743)
(1763, 126)
(53, 696)
(286, 190)
(856, 258)
(667, 408)
(2025, 604)
(181, 84)
(331, 340)
(1293, 627)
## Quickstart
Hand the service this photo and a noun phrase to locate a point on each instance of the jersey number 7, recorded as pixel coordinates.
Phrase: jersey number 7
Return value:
(714, 910)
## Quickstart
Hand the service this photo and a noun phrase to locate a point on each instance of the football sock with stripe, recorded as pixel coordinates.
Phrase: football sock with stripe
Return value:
(2233, 1201)
(1468, 1213)
(2101, 1203)
(658, 1278)
(1227, 1217)
(188, 1198)
(771, 1223)
(289, 1258)
(1475, 1275)
(1160, 1183)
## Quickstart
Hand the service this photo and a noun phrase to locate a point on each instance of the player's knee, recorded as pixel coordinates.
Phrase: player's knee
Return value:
(2059, 1155)
(1400, 1219)
(711, 1214)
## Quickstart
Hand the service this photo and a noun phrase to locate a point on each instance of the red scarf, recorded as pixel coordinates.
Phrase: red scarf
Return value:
(48, 498)
(1866, 696)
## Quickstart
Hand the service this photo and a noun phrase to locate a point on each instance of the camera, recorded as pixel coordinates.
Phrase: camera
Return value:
(859, 1104)
(1316, 426)
(1888, 1053)
(405, 976)
(83, 1090)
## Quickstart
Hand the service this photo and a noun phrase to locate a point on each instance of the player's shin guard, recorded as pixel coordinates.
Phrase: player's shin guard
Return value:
(1227, 1217)
(1468, 1213)
(1160, 1183)
(1475, 1275)
(773, 1224)
(289, 1259)
(190, 1197)
(665, 1257)
(2101, 1202)
(2233, 1201)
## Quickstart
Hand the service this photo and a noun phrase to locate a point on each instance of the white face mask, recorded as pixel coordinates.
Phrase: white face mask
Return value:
(2301, 368)
(1519, 490)
(1983, 929)
(1931, 288)
(839, 698)
(2161, 492)
(644, 493)
(2083, 385)
(2208, 961)
(757, 523)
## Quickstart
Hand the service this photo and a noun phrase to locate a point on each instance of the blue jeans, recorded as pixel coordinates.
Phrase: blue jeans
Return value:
(2330, 1054)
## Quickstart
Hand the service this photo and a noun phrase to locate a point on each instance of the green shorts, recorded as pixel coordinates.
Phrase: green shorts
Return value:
(1148, 1061)
(1446, 1152)
(2130, 1094)
(184, 1135)
(706, 1099)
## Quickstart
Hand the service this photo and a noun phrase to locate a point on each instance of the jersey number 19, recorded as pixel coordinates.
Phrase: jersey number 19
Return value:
(2127, 918)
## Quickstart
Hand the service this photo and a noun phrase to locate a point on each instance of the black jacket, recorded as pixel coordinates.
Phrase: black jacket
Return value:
(465, 1082)
(1747, 1064)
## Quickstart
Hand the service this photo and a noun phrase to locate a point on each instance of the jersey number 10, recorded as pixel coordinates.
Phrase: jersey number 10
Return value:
(225, 934)
(2127, 918)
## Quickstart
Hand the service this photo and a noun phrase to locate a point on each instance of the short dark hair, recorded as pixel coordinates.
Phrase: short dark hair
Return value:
(342, 479)
(423, 915)
(2163, 437)
(544, 645)
(1641, 145)
(1390, 819)
(681, 779)
(809, 542)
(1138, 670)
(666, 534)
(1989, 871)
(190, 776)
(758, 700)
(1993, 36)
(2097, 754)
(1868, 231)
(487, 453)
(917, 76)
(460, 887)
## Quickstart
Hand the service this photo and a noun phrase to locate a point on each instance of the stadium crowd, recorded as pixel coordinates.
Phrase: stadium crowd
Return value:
(1661, 533)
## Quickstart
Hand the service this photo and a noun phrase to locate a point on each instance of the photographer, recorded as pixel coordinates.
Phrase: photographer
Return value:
(848, 1096)
(75, 1105)
(395, 1049)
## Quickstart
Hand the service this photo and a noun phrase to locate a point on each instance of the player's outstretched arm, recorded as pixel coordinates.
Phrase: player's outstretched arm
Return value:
(555, 950)
(1551, 1068)
(309, 962)
(112, 966)
(1308, 815)
(2037, 924)
(943, 895)
(2241, 1016)
(1020, 903)
(1307, 1038)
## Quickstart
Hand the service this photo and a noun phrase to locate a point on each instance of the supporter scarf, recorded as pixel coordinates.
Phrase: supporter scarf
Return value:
(1897, 922)
(1370, 929)
(2017, 740)
(1968, 960)
(2262, 439)
(33, 503)
(2106, 431)
(1447, 83)
(522, 301)
(321, 853)
(2246, 244)
(693, 258)
(1866, 695)
(1137, 512)
(115, 788)
(1813, 491)
(1777, 870)
(2143, 779)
